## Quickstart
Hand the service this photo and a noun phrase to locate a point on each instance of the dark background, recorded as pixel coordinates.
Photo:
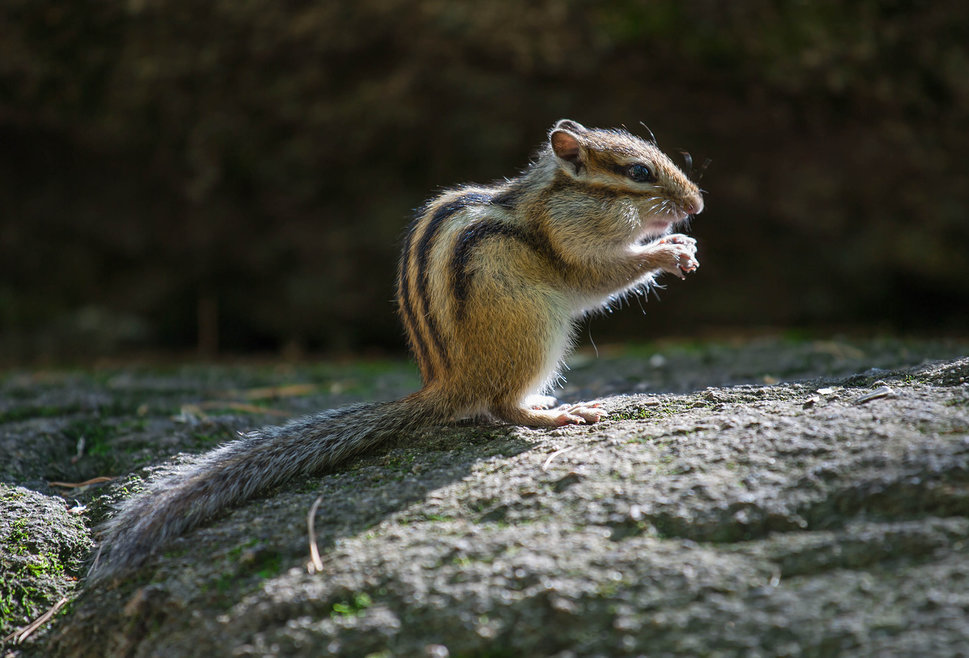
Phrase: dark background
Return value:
(235, 176)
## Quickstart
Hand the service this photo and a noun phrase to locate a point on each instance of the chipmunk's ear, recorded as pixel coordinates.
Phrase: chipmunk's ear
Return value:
(565, 138)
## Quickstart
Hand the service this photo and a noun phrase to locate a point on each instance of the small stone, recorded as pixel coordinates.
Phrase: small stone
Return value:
(880, 392)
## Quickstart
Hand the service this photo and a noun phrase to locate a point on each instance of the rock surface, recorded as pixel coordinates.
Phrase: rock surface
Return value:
(769, 498)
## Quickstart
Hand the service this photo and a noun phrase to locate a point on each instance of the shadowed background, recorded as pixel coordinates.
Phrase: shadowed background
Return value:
(236, 176)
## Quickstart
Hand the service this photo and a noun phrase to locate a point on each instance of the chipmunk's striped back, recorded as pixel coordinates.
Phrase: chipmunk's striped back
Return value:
(437, 265)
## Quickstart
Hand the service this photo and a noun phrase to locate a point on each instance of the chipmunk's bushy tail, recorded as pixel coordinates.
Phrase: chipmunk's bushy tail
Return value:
(191, 493)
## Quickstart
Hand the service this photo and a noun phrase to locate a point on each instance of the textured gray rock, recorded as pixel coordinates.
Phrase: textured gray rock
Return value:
(806, 517)
(42, 546)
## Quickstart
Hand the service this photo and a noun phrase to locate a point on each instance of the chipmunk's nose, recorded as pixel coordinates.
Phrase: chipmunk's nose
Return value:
(693, 206)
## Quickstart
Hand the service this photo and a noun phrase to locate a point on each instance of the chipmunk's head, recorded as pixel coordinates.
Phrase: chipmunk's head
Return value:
(621, 163)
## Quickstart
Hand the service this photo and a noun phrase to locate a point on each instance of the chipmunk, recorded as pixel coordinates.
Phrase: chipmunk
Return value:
(491, 282)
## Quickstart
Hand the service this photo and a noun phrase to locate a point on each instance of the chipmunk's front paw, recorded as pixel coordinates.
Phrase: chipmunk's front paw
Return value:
(677, 254)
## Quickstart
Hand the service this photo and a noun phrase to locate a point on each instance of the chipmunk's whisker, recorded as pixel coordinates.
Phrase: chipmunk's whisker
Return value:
(688, 159)
(652, 137)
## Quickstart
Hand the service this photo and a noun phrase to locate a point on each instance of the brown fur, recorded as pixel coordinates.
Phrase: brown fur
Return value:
(566, 244)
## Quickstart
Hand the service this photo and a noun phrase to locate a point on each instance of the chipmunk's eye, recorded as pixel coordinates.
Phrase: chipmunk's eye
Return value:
(640, 173)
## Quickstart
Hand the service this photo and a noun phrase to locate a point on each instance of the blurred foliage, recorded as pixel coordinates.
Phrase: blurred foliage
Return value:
(258, 160)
